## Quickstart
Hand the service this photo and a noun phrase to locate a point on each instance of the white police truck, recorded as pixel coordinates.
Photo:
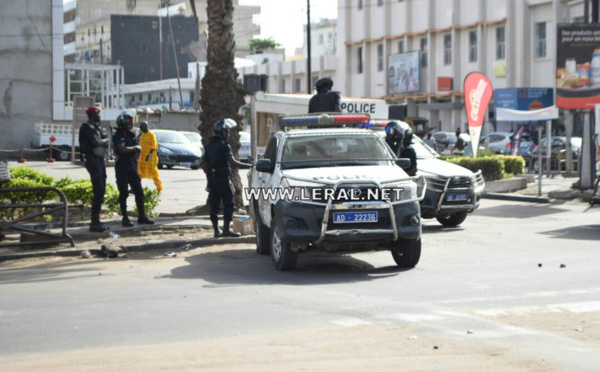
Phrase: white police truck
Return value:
(334, 186)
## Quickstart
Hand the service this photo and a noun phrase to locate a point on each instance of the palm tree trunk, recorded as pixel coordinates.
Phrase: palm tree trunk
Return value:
(222, 95)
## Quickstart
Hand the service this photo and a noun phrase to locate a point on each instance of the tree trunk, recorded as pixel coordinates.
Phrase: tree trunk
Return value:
(222, 95)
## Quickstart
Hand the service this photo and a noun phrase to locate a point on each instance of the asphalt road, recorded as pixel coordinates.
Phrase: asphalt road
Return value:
(490, 295)
(183, 187)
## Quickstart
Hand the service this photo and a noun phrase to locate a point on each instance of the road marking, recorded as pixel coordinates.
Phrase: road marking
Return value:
(350, 322)
(412, 318)
(573, 307)
(546, 294)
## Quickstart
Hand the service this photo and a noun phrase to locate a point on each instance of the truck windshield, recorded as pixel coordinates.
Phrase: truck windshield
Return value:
(335, 150)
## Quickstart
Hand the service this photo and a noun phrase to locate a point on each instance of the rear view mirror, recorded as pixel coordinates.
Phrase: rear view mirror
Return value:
(264, 165)
(403, 163)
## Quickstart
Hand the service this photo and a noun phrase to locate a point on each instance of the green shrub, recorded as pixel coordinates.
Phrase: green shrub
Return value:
(111, 200)
(27, 173)
(492, 168)
(22, 197)
(151, 201)
(79, 192)
(513, 164)
(62, 182)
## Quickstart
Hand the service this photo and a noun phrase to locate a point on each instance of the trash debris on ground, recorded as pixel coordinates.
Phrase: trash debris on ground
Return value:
(114, 235)
(131, 266)
(99, 274)
(413, 337)
(562, 266)
(469, 331)
(100, 241)
(86, 254)
(109, 251)
(579, 329)
(539, 265)
(181, 234)
(435, 347)
(171, 254)
(187, 246)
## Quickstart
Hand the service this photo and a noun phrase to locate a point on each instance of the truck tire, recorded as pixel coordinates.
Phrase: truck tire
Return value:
(283, 257)
(263, 235)
(453, 219)
(64, 156)
(406, 252)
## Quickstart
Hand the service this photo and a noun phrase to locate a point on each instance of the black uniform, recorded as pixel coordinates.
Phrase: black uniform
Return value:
(327, 101)
(216, 155)
(405, 152)
(90, 135)
(126, 171)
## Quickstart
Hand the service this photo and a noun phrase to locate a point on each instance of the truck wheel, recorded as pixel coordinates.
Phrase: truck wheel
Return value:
(406, 252)
(283, 257)
(453, 219)
(263, 235)
(63, 155)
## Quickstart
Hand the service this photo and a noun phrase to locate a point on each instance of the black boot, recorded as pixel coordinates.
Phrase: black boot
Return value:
(126, 222)
(144, 220)
(216, 229)
(96, 226)
(228, 233)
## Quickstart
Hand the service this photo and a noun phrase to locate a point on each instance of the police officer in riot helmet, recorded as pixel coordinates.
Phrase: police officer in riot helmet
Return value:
(92, 144)
(216, 163)
(325, 100)
(400, 141)
(127, 150)
(409, 152)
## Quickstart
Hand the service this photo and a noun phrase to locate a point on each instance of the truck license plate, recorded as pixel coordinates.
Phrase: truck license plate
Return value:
(457, 197)
(354, 217)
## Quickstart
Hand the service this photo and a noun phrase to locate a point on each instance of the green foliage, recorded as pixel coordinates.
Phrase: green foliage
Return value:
(27, 173)
(485, 153)
(513, 164)
(111, 200)
(492, 168)
(22, 197)
(262, 44)
(79, 192)
(62, 182)
(151, 200)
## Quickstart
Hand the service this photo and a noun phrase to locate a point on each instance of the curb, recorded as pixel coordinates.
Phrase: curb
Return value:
(512, 197)
(167, 244)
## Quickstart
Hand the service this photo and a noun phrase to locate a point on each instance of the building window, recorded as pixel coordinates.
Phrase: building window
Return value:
(183, 50)
(500, 43)
(447, 49)
(379, 57)
(424, 52)
(89, 32)
(282, 86)
(379, 2)
(540, 40)
(579, 19)
(144, 48)
(473, 46)
(298, 85)
(360, 61)
(154, 25)
(401, 46)
(102, 30)
(321, 39)
(181, 29)
(95, 31)
(360, 4)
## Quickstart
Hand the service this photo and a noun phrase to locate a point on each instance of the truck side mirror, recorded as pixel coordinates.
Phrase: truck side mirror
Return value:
(264, 165)
(403, 163)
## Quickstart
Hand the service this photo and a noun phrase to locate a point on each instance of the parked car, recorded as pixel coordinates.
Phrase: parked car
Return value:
(445, 141)
(559, 146)
(194, 138)
(175, 149)
(245, 148)
(501, 143)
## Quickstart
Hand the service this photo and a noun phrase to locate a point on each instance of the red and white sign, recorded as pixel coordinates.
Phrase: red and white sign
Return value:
(52, 139)
(478, 93)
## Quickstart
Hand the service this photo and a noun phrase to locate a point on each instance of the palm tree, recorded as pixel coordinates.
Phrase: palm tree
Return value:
(222, 95)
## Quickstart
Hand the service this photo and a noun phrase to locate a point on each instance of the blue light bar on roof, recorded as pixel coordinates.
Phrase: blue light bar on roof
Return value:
(324, 119)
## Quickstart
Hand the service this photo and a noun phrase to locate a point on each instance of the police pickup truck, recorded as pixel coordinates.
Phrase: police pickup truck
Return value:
(336, 187)
(452, 191)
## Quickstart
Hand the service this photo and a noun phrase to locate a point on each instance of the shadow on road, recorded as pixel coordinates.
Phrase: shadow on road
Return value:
(519, 211)
(589, 232)
(48, 271)
(439, 229)
(245, 267)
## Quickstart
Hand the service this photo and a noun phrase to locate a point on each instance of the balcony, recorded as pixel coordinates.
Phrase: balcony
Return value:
(69, 49)
(69, 27)
(70, 5)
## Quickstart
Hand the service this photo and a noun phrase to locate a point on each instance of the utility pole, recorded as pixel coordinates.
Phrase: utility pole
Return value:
(175, 55)
(308, 62)
(160, 43)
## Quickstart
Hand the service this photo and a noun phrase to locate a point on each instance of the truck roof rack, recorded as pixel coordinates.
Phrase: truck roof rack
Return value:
(324, 120)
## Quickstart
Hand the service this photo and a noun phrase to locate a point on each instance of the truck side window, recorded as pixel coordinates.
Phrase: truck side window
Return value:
(271, 150)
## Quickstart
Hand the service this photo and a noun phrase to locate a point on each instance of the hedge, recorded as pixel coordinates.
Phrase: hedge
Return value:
(492, 168)
(513, 164)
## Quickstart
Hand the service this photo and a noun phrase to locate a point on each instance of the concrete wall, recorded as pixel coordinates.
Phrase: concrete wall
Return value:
(25, 69)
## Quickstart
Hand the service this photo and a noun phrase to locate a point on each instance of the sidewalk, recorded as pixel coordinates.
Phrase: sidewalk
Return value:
(171, 234)
(553, 188)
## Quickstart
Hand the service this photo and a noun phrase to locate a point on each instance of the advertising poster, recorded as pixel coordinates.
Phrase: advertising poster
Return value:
(578, 66)
(478, 93)
(403, 73)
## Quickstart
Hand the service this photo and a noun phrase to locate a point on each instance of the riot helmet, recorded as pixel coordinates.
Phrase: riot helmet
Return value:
(393, 132)
(125, 119)
(221, 127)
(408, 136)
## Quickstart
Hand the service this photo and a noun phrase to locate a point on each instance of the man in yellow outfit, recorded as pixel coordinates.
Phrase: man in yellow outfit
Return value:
(148, 161)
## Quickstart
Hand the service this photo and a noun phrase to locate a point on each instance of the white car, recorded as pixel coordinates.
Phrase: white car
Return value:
(245, 146)
(309, 164)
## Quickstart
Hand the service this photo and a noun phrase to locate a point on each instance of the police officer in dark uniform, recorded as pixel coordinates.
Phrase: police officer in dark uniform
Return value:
(216, 163)
(127, 149)
(92, 142)
(400, 141)
(325, 100)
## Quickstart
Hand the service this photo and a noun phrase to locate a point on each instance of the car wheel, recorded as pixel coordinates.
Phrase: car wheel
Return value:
(170, 166)
(195, 167)
(283, 257)
(406, 252)
(453, 219)
(263, 235)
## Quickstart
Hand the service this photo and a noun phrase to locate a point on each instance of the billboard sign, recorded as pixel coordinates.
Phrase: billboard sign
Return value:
(523, 99)
(478, 93)
(403, 73)
(578, 66)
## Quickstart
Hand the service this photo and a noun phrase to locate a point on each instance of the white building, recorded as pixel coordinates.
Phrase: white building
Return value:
(512, 41)
(323, 38)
